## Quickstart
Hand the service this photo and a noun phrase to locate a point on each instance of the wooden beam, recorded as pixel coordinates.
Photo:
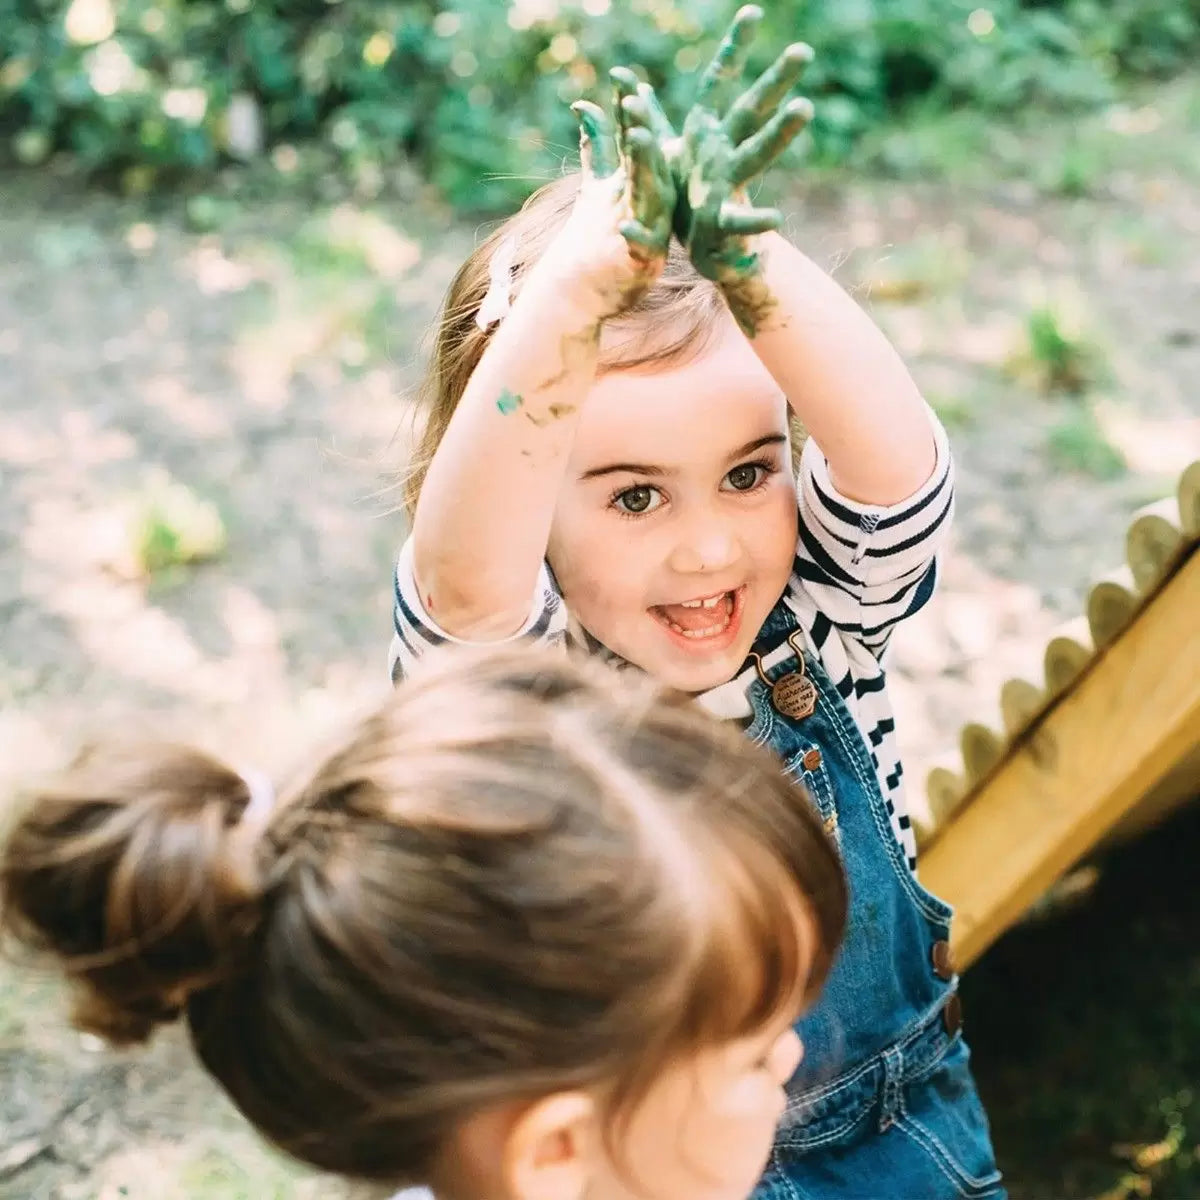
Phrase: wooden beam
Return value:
(1126, 726)
(1180, 786)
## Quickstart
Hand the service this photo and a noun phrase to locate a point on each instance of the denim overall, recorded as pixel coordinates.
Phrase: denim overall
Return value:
(883, 1106)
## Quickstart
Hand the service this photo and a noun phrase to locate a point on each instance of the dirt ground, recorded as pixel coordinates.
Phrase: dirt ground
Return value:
(263, 362)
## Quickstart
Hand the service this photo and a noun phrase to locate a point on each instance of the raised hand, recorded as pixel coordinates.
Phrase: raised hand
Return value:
(726, 142)
(627, 185)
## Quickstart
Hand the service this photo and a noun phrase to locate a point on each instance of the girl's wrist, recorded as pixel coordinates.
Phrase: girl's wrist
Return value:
(744, 286)
(570, 300)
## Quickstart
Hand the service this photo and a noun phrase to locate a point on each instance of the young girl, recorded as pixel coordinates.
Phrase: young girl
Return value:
(607, 463)
(526, 934)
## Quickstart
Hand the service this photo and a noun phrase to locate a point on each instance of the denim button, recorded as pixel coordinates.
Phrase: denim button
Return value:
(811, 761)
(943, 960)
(952, 1015)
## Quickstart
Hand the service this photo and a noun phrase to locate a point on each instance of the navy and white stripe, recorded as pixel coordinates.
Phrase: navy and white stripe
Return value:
(859, 571)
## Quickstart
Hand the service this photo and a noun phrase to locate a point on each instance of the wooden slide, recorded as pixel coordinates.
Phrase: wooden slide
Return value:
(1107, 744)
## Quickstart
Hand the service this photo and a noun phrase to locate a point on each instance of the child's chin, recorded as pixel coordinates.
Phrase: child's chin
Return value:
(699, 676)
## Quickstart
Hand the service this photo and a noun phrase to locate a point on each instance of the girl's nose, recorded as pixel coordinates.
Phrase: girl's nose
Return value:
(705, 546)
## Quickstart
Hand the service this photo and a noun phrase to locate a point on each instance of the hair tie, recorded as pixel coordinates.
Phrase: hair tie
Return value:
(497, 302)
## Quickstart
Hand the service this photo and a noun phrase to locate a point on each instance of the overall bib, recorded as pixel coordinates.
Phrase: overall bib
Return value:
(883, 1105)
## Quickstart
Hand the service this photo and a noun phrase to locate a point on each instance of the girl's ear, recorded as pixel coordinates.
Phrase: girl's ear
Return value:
(553, 1149)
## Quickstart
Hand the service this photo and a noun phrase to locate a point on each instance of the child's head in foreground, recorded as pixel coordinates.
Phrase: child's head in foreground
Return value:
(532, 931)
(680, 487)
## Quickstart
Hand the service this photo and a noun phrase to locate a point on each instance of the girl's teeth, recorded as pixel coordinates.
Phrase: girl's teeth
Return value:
(711, 602)
(725, 598)
(698, 633)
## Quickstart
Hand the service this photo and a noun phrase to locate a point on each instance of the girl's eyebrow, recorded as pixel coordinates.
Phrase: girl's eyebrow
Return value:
(624, 468)
(631, 468)
(770, 439)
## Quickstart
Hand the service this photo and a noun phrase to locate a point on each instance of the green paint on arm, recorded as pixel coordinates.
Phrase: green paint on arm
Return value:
(556, 412)
(576, 350)
(508, 403)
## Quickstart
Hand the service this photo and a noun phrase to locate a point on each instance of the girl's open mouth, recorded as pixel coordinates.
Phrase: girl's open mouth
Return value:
(704, 623)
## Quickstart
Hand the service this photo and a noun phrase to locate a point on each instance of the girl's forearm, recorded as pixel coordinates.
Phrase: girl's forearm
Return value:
(483, 519)
(842, 377)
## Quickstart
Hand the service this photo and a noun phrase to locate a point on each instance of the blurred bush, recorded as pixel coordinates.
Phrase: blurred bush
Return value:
(475, 93)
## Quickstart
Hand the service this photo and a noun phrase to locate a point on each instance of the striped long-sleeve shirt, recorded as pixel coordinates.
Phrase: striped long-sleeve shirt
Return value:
(859, 570)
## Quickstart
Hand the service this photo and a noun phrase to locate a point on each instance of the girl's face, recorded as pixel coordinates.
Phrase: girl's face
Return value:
(705, 1128)
(702, 1131)
(676, 527)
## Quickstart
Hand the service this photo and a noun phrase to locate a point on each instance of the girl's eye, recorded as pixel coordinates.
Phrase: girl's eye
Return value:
(637, 500)
(746, 477)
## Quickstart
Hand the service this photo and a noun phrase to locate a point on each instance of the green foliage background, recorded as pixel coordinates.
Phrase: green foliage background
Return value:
(475, 93)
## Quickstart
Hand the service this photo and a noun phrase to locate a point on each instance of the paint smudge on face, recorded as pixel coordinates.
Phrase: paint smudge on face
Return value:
(429, 603)
(508, 402)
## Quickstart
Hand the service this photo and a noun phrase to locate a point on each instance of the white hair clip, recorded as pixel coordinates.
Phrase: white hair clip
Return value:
(262, 795)
(497, 302)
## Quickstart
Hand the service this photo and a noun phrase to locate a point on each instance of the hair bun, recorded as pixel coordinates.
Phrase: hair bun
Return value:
(130, 869)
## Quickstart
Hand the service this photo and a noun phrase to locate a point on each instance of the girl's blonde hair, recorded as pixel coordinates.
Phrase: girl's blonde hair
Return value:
(519, 875)
(673, 321)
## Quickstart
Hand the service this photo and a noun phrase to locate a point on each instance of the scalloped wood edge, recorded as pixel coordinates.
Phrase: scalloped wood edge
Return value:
(1163, 570)
(1188, 495)
(1020, 702)
(1112, 603)
(1154, 540)
(1119, 750)
(1158, 538)
(1068, 653)
(947, 789)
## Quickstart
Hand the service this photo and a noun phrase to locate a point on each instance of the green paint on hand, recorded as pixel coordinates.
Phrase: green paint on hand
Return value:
(508, 402)
(726, 142)
(752, 305)
(743, 265)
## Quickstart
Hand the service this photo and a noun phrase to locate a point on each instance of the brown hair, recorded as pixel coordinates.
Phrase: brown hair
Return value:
(674, 320)
(520, 874)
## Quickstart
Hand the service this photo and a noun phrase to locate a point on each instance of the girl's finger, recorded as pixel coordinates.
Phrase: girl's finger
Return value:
(741, 220)
(640, 238)
(624, 85)
(665, 186)
(624, 82)
(755, 154)
(665, 176)
(754, 106)
(597, 145)
(635, 111)
(729, 60)
(651, 207)
(660, 123)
